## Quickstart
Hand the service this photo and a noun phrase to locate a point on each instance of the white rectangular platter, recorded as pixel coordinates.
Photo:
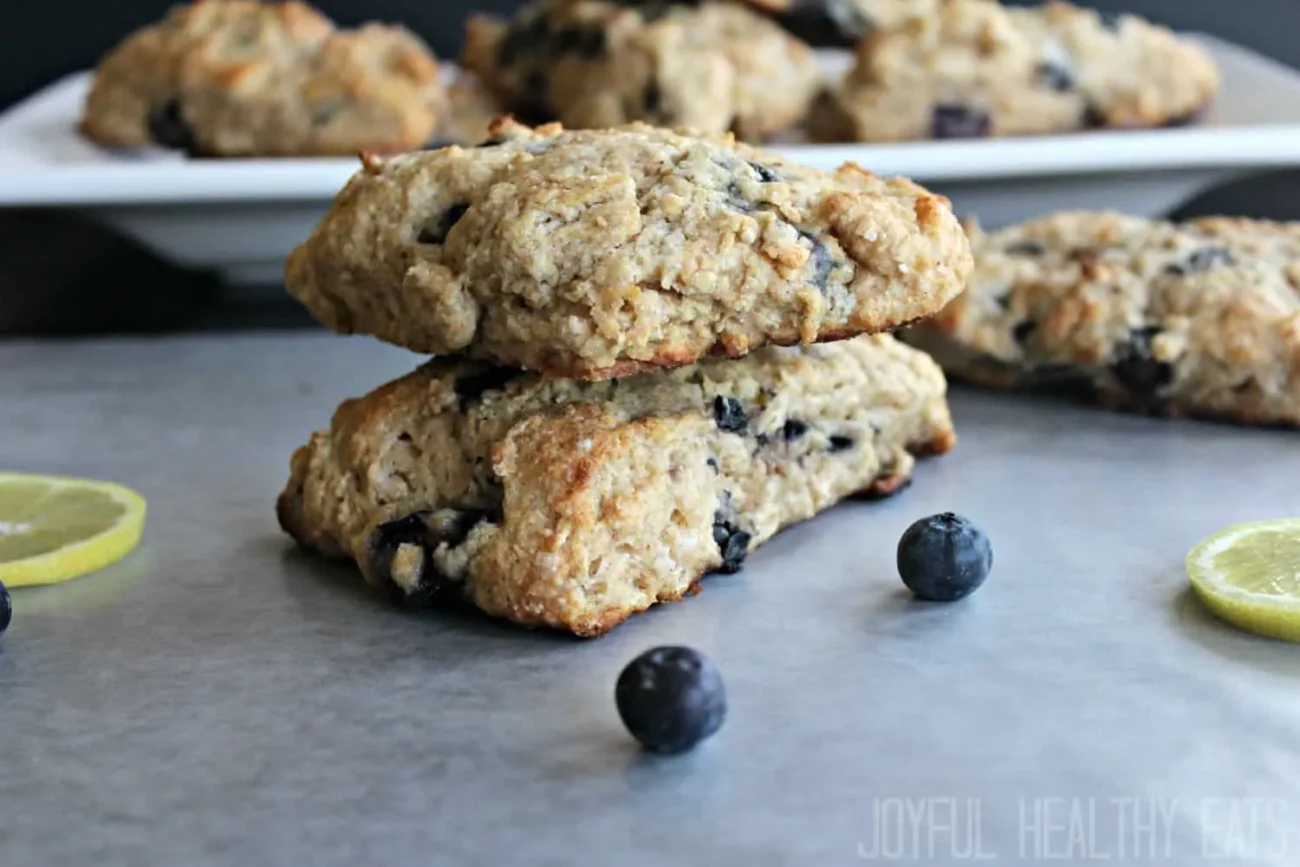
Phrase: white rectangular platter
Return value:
(241, 217)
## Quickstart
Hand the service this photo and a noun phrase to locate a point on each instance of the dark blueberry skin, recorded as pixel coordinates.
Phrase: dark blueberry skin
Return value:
(6, 609)
(841, 444)
(944, 558)
(1025, 248)
(671, 699)
(959, 121)
(1203, 260)
(733, 544)
(765, 175)
(167, 127)
(821, 260)
(1093, 118)
(435, 232)
(729, 413)
(652, 99)
(827, 23)
(1138, 370)
(432, 587)
(1055, 77)
(470, 388)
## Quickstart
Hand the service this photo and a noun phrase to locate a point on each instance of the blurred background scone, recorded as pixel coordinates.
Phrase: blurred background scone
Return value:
(976, 68)
(712, 66)
(244, 78)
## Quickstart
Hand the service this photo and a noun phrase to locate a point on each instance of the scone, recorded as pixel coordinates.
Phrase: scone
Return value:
(245, 78)
(711, 66)
(601, 253)
(1200, 318)
(573, 505)
(975, 68)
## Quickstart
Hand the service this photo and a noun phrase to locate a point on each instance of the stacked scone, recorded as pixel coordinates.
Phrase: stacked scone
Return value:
(657, 351)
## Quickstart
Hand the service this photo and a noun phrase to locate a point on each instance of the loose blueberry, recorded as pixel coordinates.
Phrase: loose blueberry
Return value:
(733, 544)
(944, 558)
(959, 121)
(6, 609)
(729, 414)
(671, 699)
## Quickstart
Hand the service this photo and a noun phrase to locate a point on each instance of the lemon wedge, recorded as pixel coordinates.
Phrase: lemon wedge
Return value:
(1249, 575)
(54, 528)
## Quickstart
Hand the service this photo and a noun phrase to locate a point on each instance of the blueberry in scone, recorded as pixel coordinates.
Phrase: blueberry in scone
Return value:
(710, 66)
(573, 504)
(1200, 318)
(974, 68)
(597, 253)
(246, 78)
(842, 23)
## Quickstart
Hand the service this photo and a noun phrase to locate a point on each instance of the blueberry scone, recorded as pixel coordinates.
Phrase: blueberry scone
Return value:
(1200, 318)
(975, 68)
(573, 505)
(245, 78)
(710, 66)
(600, 253)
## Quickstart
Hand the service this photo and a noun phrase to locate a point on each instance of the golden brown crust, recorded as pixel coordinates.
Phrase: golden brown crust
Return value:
(573, 505)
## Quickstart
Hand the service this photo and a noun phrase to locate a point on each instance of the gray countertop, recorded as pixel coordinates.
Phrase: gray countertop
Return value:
(219, 698)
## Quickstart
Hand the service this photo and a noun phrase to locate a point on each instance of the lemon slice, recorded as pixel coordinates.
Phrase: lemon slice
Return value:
(1249, 575)
(54, 528)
